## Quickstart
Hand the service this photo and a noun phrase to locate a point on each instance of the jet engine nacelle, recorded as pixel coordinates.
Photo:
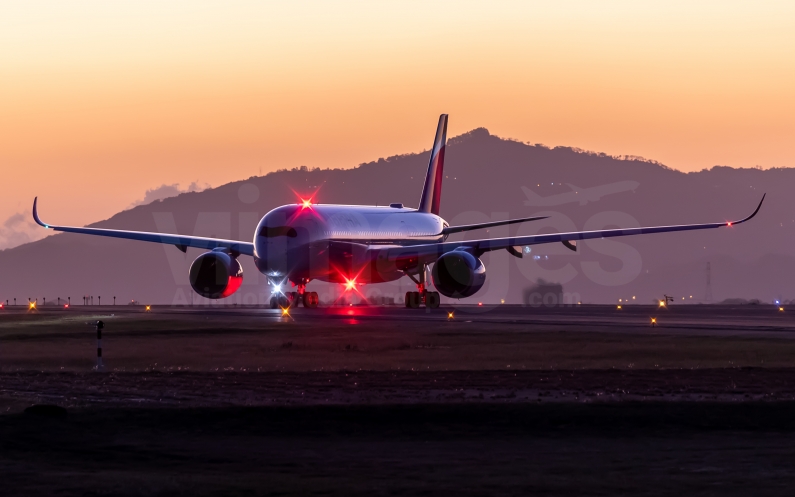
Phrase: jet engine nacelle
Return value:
(458, 274)
(216, 275)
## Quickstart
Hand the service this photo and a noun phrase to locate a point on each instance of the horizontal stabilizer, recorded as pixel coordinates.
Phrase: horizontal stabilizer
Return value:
(470, 227)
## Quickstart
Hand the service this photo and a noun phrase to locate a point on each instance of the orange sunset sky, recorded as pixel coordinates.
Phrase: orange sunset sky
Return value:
(100, 101)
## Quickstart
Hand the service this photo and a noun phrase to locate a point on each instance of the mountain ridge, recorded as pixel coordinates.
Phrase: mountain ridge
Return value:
(483, 175)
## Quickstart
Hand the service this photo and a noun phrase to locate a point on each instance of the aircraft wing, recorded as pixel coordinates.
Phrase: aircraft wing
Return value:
(428, 253)
(182, 242)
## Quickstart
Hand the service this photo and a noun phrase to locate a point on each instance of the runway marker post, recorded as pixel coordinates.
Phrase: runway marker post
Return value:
(99, 326)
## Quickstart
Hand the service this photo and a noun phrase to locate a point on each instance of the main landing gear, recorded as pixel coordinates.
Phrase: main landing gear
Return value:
(422, 296)
(310, 300)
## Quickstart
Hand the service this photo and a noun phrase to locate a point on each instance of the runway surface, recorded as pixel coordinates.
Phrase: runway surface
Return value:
(510, 400)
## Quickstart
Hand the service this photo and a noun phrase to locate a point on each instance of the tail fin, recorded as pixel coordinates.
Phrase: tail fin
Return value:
(432, 191)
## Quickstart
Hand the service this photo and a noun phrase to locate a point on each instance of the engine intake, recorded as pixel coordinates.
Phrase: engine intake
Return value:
(458, 274)
(216, 275)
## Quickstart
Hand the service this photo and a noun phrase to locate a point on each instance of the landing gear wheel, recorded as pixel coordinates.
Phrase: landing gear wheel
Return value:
(274, 302)
(432, 300)
(310, 300)
(293, 299)
(413, 300)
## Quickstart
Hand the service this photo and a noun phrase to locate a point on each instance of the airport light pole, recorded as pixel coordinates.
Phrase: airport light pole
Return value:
(99, 298)
(114, 300)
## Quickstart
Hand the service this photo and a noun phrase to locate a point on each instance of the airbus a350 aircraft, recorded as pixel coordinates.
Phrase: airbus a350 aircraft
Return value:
(354, 245)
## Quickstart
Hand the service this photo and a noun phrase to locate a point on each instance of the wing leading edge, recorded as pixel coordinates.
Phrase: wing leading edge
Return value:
(427, 253)
(182, 242)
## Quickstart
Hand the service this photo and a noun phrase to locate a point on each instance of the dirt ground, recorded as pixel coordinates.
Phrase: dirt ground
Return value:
(512, 401)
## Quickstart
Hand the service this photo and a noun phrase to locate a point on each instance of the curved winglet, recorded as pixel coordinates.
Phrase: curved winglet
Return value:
(752, 215)
(36, 214)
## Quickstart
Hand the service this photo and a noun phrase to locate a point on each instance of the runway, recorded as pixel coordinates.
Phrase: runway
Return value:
(513, 400)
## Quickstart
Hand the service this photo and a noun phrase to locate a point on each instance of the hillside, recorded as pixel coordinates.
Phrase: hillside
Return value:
(484, 179)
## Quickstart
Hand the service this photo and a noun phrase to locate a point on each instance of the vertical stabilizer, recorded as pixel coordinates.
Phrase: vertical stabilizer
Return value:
(432, 191)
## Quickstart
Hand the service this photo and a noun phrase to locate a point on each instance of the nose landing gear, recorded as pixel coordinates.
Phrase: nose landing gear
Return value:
(310, 300)
(281, 301)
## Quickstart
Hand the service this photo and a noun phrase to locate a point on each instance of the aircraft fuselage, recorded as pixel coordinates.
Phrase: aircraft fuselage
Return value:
(331, 242)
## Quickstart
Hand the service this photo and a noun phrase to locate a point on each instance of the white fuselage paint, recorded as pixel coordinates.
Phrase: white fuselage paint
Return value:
(334, 242)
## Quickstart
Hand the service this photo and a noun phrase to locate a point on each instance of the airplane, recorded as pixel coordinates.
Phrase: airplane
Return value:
(577, 194)
(353, 245)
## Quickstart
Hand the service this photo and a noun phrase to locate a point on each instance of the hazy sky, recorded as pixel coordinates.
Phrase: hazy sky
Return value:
(101, 101)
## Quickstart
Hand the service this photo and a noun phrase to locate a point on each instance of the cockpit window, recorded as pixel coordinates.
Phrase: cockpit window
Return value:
(270, 232)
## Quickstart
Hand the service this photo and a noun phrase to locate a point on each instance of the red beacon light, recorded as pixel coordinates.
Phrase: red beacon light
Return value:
(66, 306)
(306, 203)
